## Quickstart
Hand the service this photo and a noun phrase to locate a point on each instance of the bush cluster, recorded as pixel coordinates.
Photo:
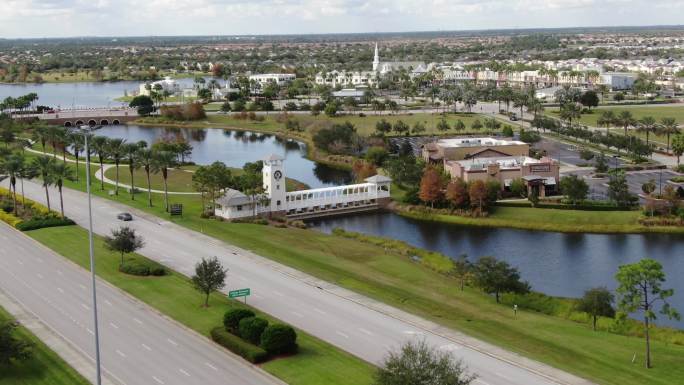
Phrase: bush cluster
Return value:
(247, 335)
(279, 339)
(235, 344)
(232, 318)
(189, 111)
(43, 222)
(251, 329)
(142, 268)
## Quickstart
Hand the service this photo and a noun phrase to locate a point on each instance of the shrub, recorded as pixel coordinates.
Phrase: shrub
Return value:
(40, 223)
(232, 318)
(279, 339)
(235, 344)
(251, 328)
(10, 219)
(142, 268)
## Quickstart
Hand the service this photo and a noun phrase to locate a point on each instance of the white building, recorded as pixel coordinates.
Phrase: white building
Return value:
(415, 68)
(279, 79)
(347, 79)
(618, 80)
(167, 84)
(306, 203)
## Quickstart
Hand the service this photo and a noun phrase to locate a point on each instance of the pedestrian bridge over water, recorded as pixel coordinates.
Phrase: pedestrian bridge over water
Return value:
(91, 117)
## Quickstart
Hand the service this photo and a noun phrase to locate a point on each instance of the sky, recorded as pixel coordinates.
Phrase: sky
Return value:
(65, 18)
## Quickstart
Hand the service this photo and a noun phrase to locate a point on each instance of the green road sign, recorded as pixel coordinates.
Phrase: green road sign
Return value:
(238, 293)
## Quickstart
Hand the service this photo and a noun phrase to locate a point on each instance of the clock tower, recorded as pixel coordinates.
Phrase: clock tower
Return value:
(274, 182)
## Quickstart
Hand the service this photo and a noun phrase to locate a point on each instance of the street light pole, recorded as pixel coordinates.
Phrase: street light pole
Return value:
(91, 251)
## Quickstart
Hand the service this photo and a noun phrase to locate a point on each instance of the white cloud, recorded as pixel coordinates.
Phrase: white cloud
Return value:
(30, 18)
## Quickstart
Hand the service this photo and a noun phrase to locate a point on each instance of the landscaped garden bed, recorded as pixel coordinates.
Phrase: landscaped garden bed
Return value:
(28, 215)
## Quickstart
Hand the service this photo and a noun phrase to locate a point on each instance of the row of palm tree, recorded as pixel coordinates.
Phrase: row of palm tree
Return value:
(666, 126)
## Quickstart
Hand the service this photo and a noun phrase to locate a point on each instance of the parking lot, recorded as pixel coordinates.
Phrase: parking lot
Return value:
(598, 188)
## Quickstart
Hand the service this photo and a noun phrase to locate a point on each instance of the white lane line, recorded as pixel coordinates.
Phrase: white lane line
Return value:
(300, 315)
(39, 275)
(137, 321)
(90, 331)
(20, 262)
(149, 349)
(210, 365)
(82, 286)
(339, 333)
(449, 347)
(119, 352)
(481, 382)
(319, 311)
(158, 380)
(257, 296)
(113, 325)
(85, 306)
(279, 294)
(184, 372)
(59, 272)
(364, 331)
(172, 342)
(59, 289)
(411, 332)
(39, 259)
(108, 303)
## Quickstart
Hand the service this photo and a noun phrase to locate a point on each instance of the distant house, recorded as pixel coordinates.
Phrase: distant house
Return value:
(167, 84)
(349, 93)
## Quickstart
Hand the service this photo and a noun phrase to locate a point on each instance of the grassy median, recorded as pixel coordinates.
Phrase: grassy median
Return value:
(45, 367)
(316, 363)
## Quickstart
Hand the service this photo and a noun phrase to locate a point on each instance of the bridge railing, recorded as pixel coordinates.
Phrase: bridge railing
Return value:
(333, 196)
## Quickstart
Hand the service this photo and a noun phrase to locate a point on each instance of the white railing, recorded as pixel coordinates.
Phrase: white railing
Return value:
(334, 196)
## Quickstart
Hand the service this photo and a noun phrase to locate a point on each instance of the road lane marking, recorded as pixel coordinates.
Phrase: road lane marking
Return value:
(319, 311)
(158, 380)
(184, 372)
(339, 333)
(146, 347)
(364, 331)
(59, 289)
(300, 315)
(88, 330)
(39, 275)
(108, 303)
(85, 306)
(20, 262)
(119, 352)
(279, 294)
(172, 342)
(481, 382)
(210, 365)
(449, 347)
(411, 332)
(137, 320)
(59, 272)
(113, 325)
(82, 286)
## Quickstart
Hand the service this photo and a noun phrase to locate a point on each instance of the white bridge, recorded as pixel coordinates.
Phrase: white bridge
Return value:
(305, 204)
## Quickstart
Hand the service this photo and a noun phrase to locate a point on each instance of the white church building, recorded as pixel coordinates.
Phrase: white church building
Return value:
(368, 196)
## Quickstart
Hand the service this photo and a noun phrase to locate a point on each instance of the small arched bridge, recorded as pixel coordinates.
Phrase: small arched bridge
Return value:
(91, 117)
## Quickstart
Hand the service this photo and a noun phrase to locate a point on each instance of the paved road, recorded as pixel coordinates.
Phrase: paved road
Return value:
(138, 345)
(352, 322)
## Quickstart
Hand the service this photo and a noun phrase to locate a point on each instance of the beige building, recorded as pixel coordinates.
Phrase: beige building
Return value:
(541, 175)
(465, 148)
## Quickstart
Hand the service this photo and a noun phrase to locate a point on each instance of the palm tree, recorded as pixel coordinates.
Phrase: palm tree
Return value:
(115, 149)
(625, 119)
(647, 124)
(162, 161)
(669, 126)
(146, 159)
(77, 145)
(130, 152)
(100, 147)
(570, 112)
(12, 166)
(606, 119)
(53, 136)
(44, 166)
(40, 134)
(60, 173)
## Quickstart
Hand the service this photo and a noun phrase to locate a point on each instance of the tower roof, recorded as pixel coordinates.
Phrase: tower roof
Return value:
(274, 157)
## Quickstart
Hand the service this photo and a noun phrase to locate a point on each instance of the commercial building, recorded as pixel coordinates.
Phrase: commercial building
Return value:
(465, 148)
(538, 175)
(618, 80)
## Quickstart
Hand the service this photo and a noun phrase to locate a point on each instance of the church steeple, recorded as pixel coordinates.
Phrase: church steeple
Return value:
(376, 58)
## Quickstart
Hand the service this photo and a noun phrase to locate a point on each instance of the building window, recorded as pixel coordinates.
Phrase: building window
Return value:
(278, 203)
(278, 186)
(239, 208)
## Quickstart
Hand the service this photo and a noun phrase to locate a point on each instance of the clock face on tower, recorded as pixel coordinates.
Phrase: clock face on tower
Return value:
(277, 175)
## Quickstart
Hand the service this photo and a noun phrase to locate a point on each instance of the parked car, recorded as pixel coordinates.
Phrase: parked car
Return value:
(124, 217)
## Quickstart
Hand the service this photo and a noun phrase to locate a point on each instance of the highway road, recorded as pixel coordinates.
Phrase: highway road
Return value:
(348, 320)
(139, 346)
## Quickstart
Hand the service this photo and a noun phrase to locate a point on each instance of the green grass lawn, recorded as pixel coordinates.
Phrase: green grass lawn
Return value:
(316, 363)
(393, 279)
(45, 367)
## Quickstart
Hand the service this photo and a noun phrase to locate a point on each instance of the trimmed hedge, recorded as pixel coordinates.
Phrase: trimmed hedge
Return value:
(10, 219)
(142, 268)
(235, 344)
(251, 328)
(279, 339)
(40, 223)
(232, 318)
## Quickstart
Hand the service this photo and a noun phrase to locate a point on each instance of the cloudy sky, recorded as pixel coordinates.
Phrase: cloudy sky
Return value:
(51, 18)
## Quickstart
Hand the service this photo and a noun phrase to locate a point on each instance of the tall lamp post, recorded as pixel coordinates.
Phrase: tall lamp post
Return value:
(86, 130)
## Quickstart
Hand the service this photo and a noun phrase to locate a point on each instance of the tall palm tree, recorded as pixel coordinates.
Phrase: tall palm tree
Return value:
(40, 134)
(115, 148)
(162, 161)
(77, 146)
(626, 120)
(101, 148)
(60, 173)
(606, 119)
(146, 159)
(570, 112)
(12, 166)
(130, 153)
(669, 126)
(44, 166)
(53, 136)
(647, 124)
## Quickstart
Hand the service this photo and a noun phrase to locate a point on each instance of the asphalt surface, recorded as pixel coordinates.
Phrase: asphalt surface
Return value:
(326, 311)
(138, 345)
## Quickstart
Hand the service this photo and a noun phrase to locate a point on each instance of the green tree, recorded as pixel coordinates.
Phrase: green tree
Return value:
(124, 241)
(60, 173)
(12, 348)
(476, 125)
(331, 109)
(417, 363)
(115, 150)
(597, 302)
(575, 188)
(442, 125)
(678, 146)
(618, 189)
(44, 166)
(209, 277)
(459, 125)
(462, 269)
(225, 107)
(517, 187)
(146, 159)
(143, 103)
(625, 120)
(100, 145)
(162, 161)
(401, 128)
(648, 125)
(130, 153)
(639, 290)
(383, 127)
(496, 277)
(13, 166)
(669, 127)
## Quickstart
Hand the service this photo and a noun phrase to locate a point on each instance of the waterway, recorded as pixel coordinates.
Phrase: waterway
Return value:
(554, 263)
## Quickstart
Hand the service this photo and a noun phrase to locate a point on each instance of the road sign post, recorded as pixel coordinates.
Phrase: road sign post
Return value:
(239, 293)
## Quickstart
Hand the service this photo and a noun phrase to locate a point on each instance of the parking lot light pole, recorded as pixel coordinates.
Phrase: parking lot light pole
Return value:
(86, 130)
